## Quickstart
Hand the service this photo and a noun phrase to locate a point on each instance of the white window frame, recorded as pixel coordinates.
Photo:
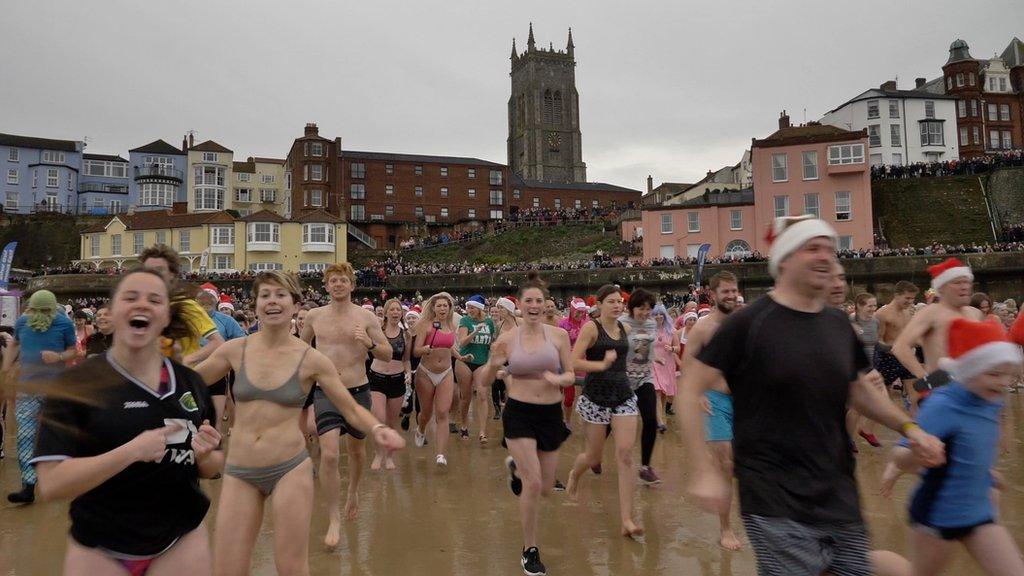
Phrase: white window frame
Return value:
(206, 198)
(53, 157)
(357, 170)
(94, 244)
(12, 176)
(222, 262)
(495, 178)
(735, 219)
(932, 134)
(497, 198)
(444, 171)
(844, 200)
(222, 235)
(1007, 140)
(265, 266)
(993, 112)
(780, 211)
(161, 237)
(894, 108)
(242, 176)
(315, 197)
(845, 243)
(317, 148)
(841, 154)
(316, 172)
(13, 154)
(357, 212)
(444, 211)
(471, 213)
(444, 192)
(418, 211)
(666, 223)
(692, 222)
(115, 245)
(389, 210)
(536, 202)
(264, 232)
(318, 233)
(897, 158)
(929, 109)
(964, 136)
(873, 111)
(1004, 112)
(357, 191)
(389, 189)
(210, 156)
(52, 178)
(418, 191)
(776, 168)
(471, 173)
(961, 108)
(185, 241)
(312, 266)
(895, 136)
(471, 193)
(243, 195)
(11, 202)
(874, 135)
(497, 214)
(812, 204)
(812, 165)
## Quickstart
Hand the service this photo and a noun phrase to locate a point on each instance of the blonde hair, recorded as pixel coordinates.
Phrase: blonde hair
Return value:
(343, 268)
(428, 318)
(286, 280)
(396, 302)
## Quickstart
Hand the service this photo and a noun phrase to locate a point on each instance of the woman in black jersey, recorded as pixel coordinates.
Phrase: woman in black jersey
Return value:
(607, 400)
(129, 445)
(390, 378)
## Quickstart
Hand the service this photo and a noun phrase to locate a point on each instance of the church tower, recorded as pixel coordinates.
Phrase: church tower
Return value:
(544, 139)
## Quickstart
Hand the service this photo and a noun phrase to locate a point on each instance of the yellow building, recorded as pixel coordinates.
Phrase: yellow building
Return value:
(210, 177)
(219, 242)
(259, 184)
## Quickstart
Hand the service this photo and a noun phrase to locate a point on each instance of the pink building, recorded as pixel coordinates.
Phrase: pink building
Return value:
(811, 169)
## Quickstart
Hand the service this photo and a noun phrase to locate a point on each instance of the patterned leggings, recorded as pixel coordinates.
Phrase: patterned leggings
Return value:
(26, 411)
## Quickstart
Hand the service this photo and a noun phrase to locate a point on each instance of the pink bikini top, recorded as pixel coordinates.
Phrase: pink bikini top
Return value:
(523, 363)
(438, 339)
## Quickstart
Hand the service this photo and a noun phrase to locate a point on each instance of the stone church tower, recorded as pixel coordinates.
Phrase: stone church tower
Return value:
(544, 139)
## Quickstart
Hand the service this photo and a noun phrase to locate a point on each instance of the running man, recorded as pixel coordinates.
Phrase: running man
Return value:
(892, 319)
(344, 332)
(717, 401)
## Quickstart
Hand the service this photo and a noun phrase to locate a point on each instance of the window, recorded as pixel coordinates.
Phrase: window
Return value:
(242, 176)
(810, 165)
(12, 176)
(471, 213)
(35, 177)
(578, 204)
(929, 109)
(314, 197)
(897, 159)
(737, 249)
(94, 240)
(872, 108)
(51, 202)
(876, 159)
(52, 178)
(781, 206)
(264, 232)
(471, 172)
(185, 241)
(209, 199)
(389, 168)
(71, 182)
(970, 78)
(974, 108)
(105, 168)
(961, 108)
(846, 154)
(894, 108)
(357, 191)
(931, 134)
(266, 178)
(444, 212)
(536, 202)
(843, 206)
(497, 215)
(845, 243)
(209, 176)
(1004, 112)
(472, 193)
(895, 136)
(811, 205)
(666, 223)
(51, 157)
(736, 219)
(993, 139)
(358, 170)
(497, 197)
(515, 194)
(1002, 84)
(222, 262)
(693, 221)
(265, 266)
(12, 154)
(418, 170)
(1007, 140)
(222, 235)
(976, 135)
(419, 211)
(115, 245)
(667, 251)
(11, 202)
(209, 156)
(949, 82)
(444, 171)
(993, 112)
(316, 172)
(319, 233)
(312, 267)
(357, 212)
(287, 180)
(495, 177)
(780, 168)
(558, 203)
(317, 148)
(874, 136)
(268, 195)
(444, 192)
(243, 195)
(959, 80)
(963, 137)
(161, 237)
(418, 191)
(594, 204)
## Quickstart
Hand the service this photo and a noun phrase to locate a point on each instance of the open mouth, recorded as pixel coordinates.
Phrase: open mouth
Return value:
(139, 322)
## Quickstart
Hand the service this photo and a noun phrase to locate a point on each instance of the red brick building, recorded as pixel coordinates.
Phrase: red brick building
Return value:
(311, 174)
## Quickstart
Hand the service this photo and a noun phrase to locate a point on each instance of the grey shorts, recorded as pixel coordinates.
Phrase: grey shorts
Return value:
(329, 418)
(595, 414)
(784, 547)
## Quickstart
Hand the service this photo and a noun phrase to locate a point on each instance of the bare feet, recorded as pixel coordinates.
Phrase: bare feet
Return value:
(389, 464)
(352, 507)
(632, 531)
(333, 536)
(375, 465)
(729, 541)
(572, 487)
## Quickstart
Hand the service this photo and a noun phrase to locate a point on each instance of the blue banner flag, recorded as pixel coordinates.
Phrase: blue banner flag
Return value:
(6, 259)
(702, 255)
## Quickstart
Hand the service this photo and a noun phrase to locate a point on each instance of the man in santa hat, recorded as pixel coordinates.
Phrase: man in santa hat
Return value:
(952, 281)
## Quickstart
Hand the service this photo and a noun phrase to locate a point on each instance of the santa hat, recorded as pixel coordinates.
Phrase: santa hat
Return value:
(476, 301)
(591, 301)
(788, 234)
(975, 347)
(577, 303)
(689, 315)
(507, 304)
(368, 306)
(209, 288)
(947, 270)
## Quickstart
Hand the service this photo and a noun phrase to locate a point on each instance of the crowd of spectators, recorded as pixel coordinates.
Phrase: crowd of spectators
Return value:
(950, 167)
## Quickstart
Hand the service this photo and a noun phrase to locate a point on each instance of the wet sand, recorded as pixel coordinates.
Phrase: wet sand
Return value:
(464, 521)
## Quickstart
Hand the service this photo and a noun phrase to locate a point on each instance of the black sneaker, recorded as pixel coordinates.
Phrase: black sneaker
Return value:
(405, 422)
(26, 495)
(497, 411)
(532, 566)
(452, 428)
(669, 410)
(464, 433)
(559, 487)
(515, 483)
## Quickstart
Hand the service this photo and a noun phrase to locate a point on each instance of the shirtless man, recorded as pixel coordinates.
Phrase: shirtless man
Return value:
(717, 402)
(551, 316)
(892, 319)
(344, 332)
(929, 327)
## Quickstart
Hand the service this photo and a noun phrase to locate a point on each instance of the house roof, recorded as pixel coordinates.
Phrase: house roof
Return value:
(521, 182)
(808, 134)
(249, 167)
(38, 143)
(209, 146)
(158, 147)
(108, 157)
(260, 160)
(1014, 53)
(897, 94)
(264, 216)
(426, 159)
(157, 219)
(318, 215)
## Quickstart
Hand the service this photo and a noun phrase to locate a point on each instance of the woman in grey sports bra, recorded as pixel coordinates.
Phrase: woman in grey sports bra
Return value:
(274, 373)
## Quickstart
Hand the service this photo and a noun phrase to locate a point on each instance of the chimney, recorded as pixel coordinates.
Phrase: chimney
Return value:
(184, 143)
(311, 129)
(919, 82)
(191, 139)
(888, 85)
(337, 145)
(650, 184)
(783, 120)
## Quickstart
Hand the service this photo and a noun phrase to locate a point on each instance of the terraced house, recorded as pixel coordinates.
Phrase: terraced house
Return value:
(39, 174)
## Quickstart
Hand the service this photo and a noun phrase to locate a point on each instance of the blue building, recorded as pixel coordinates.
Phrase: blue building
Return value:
(157, 176)
(103, 184)
(39, 174)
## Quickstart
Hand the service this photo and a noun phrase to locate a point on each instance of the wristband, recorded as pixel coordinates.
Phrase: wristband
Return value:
(907, 427)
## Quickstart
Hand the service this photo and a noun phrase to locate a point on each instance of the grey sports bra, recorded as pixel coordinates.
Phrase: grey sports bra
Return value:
(543, 359)
(289, 394)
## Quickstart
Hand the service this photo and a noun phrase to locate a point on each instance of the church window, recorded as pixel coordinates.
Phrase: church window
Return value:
(558, 108)
(549, 105)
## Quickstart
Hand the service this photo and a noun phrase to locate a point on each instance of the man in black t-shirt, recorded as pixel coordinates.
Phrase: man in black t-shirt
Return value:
(793, 365)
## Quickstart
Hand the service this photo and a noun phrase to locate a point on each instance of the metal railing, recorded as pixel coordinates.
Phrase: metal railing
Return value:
(361, 236)
(99, 187)
(158, 170)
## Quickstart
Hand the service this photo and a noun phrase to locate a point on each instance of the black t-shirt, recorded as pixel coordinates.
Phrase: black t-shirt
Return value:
(98, 343)
(144, 508)
(790, 375)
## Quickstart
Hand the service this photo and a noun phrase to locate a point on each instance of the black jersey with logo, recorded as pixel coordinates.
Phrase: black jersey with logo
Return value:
(146, 507)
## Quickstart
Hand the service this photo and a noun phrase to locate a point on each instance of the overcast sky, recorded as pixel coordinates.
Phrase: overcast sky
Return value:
(668, 88)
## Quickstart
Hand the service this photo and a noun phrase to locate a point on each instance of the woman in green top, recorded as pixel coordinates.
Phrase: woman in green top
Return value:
(476, 332)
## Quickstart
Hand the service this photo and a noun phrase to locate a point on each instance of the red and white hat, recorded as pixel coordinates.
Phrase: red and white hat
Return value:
(578, 304)
(789, 233)
(210, 288)
(975, 347)
(949, 269)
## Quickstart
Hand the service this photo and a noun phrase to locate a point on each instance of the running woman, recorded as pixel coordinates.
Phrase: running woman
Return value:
(866, 326)
(390, 378)
(607, 400)
(666, 350)
(643, 332)
(538, 358)
(345, 332)
(274, 374)
(506, 314)
(126, 436)
(476, 333)
(952, 503)
(103, 338)
(572, 324)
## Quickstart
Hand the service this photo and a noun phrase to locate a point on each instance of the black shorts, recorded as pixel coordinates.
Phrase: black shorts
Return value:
(958, 533)
(890, 367)
(474, 367)
(390, 385)
(924, 386)
(329, 418)
(220, 387)
(542, 422)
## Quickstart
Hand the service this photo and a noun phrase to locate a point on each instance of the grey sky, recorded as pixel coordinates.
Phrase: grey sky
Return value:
(667, 88)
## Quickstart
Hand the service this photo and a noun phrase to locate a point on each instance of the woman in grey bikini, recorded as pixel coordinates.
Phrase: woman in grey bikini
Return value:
(274, 372)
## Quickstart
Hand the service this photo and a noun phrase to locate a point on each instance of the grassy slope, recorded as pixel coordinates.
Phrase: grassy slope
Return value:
(919, 211)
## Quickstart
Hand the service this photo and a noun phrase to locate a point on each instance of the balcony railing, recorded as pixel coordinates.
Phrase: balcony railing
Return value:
(159, 171)
(99, 187)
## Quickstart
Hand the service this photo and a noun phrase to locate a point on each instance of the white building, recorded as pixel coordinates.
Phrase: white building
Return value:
(904, 126)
